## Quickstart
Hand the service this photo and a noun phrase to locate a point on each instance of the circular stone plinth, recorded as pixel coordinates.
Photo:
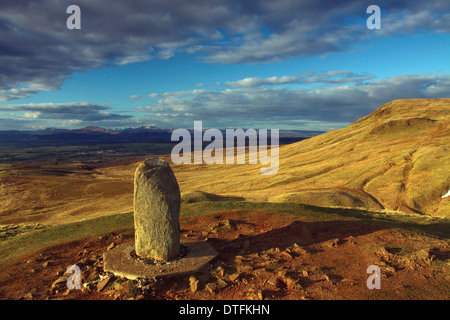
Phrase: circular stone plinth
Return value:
(123, 262)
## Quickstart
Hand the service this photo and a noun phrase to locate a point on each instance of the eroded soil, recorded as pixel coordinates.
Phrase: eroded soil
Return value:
(261, 256)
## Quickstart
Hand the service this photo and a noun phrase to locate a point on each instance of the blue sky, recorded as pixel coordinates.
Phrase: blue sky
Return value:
(307, 65)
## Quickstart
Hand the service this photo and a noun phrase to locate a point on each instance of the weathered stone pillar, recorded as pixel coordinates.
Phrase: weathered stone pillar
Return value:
(156, 211)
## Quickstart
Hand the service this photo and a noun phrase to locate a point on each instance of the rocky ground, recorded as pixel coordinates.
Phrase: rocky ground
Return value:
(261, 256)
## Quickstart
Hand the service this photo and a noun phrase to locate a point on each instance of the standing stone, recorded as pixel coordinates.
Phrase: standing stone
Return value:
(156, 211)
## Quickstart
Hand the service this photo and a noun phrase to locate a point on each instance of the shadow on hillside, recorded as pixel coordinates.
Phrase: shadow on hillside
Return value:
(301, 233)
(420, 223)
(201, 196)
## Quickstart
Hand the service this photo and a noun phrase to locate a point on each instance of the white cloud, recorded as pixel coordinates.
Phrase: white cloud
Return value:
(257, 82)
(133, 59)
(32, 115)
(309, 77)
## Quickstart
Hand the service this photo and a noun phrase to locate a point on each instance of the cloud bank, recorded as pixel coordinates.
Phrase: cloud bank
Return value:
(56, 115)
(335, 99)
(313, 100)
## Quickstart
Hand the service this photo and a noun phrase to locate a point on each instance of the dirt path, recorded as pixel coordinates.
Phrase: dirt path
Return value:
(261, 256)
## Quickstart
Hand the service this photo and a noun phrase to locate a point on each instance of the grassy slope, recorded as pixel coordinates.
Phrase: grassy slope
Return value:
(396, 158)
(26, 243)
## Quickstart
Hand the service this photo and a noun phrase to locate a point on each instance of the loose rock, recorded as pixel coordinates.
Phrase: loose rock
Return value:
(102, 284)
(193, 284)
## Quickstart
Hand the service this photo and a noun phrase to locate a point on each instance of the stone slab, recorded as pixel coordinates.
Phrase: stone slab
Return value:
(156, 211)
(123, 262)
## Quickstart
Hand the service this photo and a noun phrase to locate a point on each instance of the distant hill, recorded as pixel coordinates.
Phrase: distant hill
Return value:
(396, 158)
(95, 135)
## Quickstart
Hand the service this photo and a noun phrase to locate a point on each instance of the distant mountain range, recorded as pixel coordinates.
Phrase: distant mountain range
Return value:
(95, 135)
(84, 136)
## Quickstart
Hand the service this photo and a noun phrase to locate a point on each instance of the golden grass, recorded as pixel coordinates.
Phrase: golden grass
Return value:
(395, 159)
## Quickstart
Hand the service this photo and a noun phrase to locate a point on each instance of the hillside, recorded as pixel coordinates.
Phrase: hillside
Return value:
(394, 159)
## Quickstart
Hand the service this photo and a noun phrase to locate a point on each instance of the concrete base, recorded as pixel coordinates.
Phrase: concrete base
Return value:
(123, 262)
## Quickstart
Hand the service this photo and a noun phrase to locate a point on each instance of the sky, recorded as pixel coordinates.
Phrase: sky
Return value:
(285, 64)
